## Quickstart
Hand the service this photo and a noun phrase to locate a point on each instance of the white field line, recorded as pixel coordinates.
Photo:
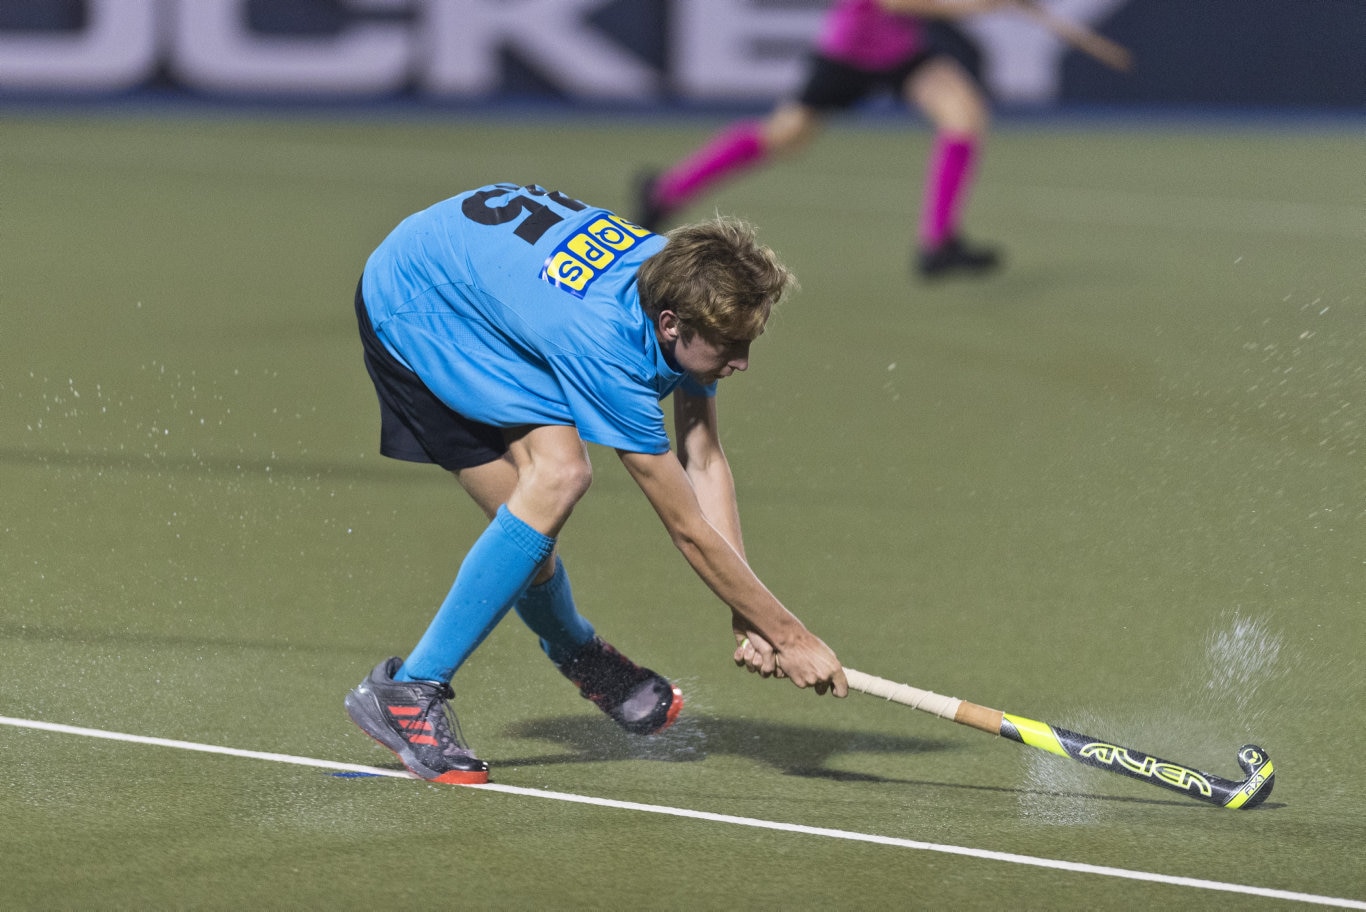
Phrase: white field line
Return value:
(1007, 857)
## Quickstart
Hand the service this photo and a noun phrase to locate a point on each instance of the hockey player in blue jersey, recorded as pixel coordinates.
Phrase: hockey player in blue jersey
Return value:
(504, 329)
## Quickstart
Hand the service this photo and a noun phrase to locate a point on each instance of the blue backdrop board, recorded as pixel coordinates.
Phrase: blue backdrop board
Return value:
(1305, 54)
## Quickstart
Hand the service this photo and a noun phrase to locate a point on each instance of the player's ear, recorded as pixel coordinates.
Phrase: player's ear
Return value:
(670, 326)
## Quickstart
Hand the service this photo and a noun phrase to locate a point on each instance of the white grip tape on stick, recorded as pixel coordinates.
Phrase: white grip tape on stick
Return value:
(914, 697)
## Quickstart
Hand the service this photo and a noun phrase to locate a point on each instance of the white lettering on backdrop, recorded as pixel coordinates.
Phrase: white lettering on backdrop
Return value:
(718, 50)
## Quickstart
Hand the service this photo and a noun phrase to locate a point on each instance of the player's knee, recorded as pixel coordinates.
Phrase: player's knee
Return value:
(976, 113)
(789, 129)
(963, 119)
(565, 480)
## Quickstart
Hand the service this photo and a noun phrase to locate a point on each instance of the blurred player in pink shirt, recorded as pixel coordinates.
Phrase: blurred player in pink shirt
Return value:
(866, 46)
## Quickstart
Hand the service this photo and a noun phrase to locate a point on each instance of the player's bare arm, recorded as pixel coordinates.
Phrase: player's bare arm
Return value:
(942, 9)
(804, 657)
(697, 431)
(699, 452)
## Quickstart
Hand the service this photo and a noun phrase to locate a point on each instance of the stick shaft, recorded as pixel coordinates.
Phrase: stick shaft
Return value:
(1083, 748)
(1094, 45)
(982, 718)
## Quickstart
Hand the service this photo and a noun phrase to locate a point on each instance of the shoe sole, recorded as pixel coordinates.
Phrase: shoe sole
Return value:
(675, 707)
(390, 740)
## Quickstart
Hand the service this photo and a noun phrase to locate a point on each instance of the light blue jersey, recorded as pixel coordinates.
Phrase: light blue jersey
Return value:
(518, 306)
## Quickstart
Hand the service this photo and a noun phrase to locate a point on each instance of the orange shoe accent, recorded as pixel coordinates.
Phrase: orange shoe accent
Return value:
(463, 777)
(675, 708)
(424, 739)
(403, 710)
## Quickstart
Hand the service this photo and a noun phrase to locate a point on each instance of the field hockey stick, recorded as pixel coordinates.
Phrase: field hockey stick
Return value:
(1177, 777)
(1094, 45)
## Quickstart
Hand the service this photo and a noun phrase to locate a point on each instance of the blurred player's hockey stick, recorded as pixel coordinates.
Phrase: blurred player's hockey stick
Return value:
(1228, 793)
(1097, 46)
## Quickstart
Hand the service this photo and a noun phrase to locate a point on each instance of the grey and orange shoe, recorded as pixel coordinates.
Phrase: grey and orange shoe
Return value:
(414, 719)
(638, 699)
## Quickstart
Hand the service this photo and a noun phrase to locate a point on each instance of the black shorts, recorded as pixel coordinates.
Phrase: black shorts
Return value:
(414, 425)
(834, 86)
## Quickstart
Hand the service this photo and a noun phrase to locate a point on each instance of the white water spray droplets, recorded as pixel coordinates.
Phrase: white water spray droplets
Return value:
(1226, 701)
(1059, 792)
(1241, 655)
(890, 385)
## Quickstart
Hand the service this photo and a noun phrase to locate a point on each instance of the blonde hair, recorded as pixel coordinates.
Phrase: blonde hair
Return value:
(717, 277)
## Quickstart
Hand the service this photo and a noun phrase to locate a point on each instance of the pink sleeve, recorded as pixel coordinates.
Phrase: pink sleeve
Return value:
(863, 34)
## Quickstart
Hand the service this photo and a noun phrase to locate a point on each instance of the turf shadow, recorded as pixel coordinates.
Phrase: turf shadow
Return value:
(794, 750)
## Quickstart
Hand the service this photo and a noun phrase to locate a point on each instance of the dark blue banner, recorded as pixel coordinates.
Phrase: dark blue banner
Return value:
(1300, 54)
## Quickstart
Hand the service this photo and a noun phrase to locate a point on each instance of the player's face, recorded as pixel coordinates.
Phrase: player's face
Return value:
(708, 360)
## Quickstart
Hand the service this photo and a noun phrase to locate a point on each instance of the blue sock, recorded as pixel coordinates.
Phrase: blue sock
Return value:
(548, 609)
(493, 575)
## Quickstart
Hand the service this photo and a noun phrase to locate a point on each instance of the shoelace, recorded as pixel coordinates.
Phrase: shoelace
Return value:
(439, 713)
(456, 738)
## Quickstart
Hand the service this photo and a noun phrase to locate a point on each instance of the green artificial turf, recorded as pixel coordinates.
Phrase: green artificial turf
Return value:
(1118, 487)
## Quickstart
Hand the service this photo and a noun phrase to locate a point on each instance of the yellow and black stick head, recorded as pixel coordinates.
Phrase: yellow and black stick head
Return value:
(1261, 776)
(1193, 783)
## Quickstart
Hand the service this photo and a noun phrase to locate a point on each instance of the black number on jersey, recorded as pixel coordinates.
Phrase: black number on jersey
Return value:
(540, 217)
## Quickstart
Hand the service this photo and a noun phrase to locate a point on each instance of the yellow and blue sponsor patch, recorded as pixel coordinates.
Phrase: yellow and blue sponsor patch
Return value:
(579, 259)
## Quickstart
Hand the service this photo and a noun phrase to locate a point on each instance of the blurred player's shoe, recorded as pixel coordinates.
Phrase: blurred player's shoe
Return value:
(414, 719)
(649, 214)
(956, 256)
(637, 699)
